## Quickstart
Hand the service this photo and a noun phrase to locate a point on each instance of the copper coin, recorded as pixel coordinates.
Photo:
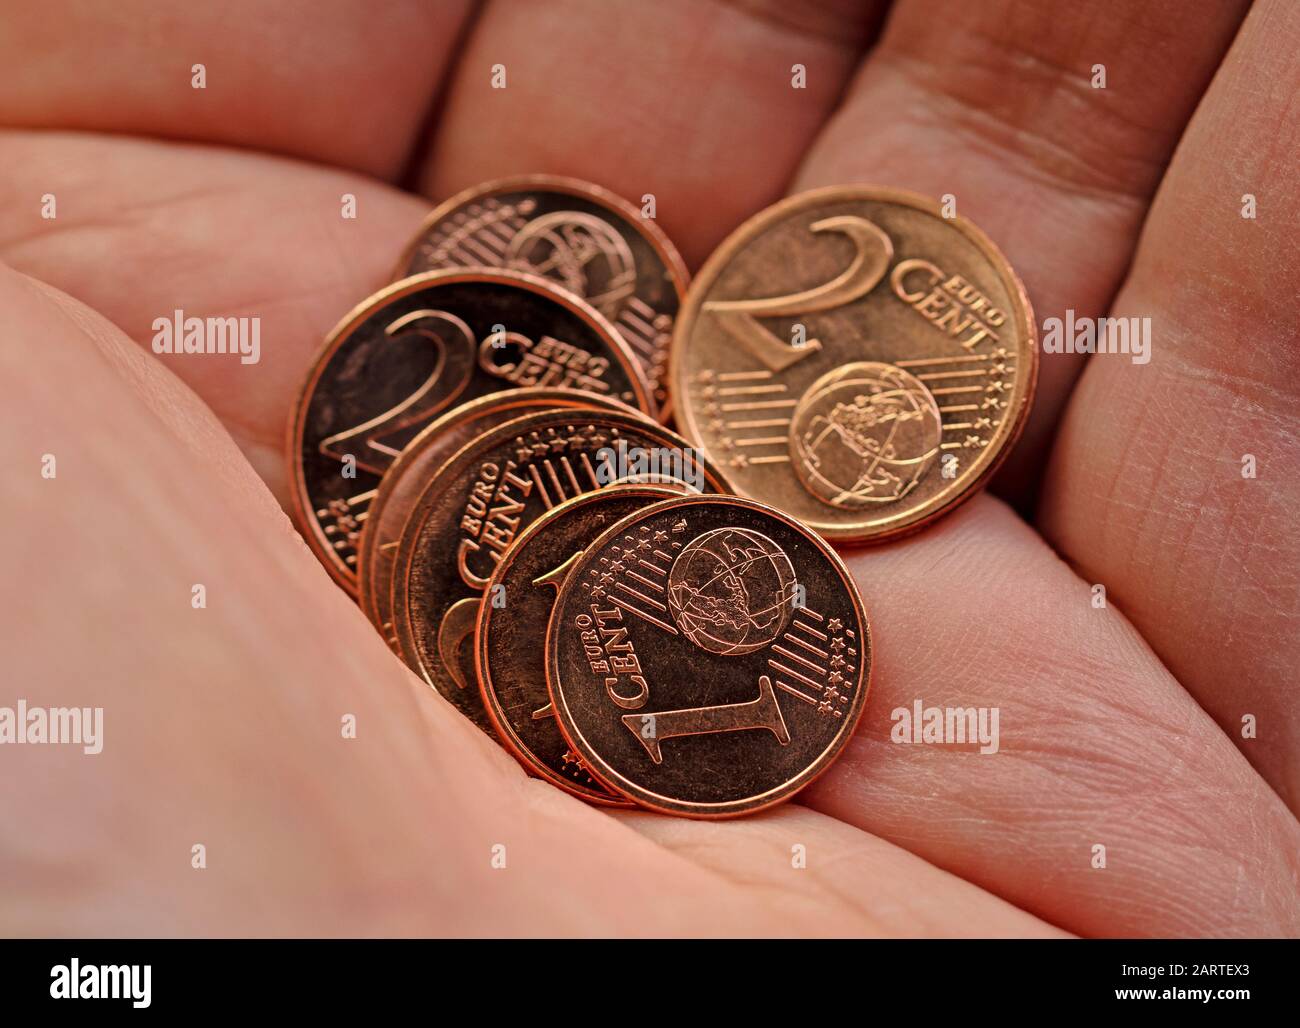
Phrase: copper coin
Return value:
(416, 349)
(411, 470)
(510, 648)
(708, 656)
(585, 238)
(857, 359)
(482, 498)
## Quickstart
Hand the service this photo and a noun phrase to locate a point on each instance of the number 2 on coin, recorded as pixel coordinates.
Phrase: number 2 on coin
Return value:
(450, 374)
(873, 252)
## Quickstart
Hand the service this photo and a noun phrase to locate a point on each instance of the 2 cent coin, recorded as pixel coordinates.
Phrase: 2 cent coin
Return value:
(417, 349)
(582, 237)
(856, 358)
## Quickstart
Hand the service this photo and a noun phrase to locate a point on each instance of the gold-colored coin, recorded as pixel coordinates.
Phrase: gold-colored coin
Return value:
(856, 358)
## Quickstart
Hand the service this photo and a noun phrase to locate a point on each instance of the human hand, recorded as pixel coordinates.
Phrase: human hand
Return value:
(1121, 726)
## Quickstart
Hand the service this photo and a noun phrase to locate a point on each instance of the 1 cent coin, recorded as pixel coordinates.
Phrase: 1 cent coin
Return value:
(479, 501)
(708, 656)
(588, 240)
(411, 470)
(856, 358)
(416, 349)
(510, 648)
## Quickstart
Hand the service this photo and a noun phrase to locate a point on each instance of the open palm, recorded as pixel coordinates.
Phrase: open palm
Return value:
(1121, 725)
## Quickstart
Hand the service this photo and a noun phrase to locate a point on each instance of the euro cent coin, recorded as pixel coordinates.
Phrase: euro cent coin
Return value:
(708, 656)
(479, 501)
(417, 349)
(582, 237)
(419, 460)
(856, 358)
(510, 647)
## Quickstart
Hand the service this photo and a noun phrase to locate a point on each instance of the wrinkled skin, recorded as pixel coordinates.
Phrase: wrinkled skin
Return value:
(1120, 726)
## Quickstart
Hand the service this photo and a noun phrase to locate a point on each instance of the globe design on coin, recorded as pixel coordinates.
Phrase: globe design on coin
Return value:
(864, 434)
(582, 252)
(731, 591)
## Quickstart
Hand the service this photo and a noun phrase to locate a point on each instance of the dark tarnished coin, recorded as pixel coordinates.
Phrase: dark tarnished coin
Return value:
(708, 656)
(857, 359)
(415, 350)
(415, 465)
(483, 497)
(510, 648)
(583, 237)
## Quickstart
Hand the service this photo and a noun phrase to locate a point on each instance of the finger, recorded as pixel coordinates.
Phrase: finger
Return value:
(1096, 746)
(995, 105)
(888, 890)
(695, 103)
(162, 227)
(344, 83)
(227, 796)
(1148, 491)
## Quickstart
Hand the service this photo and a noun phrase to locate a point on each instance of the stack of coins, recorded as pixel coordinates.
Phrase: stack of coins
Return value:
(480, 457)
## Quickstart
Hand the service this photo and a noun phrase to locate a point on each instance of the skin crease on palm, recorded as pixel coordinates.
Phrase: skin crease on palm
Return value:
(1119, 726)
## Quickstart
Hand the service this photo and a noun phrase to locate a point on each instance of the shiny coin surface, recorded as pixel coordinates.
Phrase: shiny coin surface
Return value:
(583, 237)
(708, 656)
(510, 646)
(411, 470)
(483, 497)
(856, 359)
(415, 350)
